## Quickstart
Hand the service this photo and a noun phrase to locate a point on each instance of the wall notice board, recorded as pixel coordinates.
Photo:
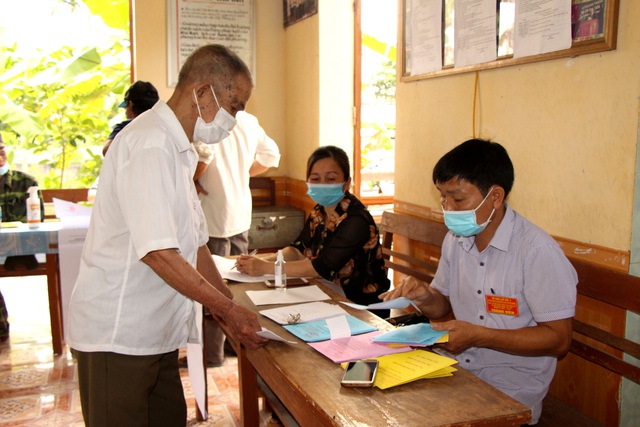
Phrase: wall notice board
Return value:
(194, 23)
(442, 37)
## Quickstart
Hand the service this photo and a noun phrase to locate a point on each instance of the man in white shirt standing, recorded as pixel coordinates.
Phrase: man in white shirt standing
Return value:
(226, 198)
(145, 261)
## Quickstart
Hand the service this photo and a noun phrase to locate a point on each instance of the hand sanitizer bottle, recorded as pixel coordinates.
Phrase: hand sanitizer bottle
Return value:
(33, 208)
(281, 271)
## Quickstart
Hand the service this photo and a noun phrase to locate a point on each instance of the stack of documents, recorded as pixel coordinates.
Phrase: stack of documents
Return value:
(419, 335)
(402, 368)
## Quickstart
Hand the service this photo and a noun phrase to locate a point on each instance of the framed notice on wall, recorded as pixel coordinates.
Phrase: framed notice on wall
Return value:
(194, 23)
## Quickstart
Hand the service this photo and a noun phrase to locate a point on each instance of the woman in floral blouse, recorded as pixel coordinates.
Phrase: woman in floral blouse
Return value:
(339, 241)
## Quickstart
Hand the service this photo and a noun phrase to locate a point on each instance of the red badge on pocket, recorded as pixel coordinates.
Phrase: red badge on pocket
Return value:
(502, 305)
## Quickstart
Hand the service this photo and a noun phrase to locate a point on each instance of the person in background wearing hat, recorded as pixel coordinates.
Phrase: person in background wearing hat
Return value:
(140, 97)
(13, 196)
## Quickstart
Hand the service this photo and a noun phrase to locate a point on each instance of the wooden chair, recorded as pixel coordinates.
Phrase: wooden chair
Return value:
(411, 246)
(74, 195)
(401, 254)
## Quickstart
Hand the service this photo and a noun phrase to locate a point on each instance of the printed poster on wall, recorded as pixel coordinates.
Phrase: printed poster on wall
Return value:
(194, 23)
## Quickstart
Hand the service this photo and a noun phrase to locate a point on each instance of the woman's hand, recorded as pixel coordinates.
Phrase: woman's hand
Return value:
(253, 265)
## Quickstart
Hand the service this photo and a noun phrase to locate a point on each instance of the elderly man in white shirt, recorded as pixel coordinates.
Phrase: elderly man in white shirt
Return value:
(145, 261)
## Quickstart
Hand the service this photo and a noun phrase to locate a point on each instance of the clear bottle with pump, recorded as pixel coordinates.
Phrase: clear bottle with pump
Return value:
(33, 208)
(280, 271)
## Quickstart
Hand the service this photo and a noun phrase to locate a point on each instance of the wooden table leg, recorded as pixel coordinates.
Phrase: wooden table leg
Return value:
(248, 384)
(55, 306)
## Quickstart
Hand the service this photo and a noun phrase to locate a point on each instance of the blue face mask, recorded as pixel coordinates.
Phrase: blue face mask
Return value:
(325, 194)
(465, 223)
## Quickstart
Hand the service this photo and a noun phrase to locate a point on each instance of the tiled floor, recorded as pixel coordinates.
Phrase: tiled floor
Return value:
(40, 389)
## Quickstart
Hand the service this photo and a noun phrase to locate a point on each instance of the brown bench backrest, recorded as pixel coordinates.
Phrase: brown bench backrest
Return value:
(429, 233)
(617, 289)
(69, 194)
(74, 195)
(263, 191)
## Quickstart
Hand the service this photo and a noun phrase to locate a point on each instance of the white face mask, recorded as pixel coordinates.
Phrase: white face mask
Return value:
(4, 169)
(218, 129)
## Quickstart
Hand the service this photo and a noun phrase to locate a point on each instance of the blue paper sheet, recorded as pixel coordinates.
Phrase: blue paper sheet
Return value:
(421, 334)
(318, 330)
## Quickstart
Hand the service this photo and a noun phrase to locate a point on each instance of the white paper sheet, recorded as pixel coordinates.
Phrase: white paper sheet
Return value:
(227, 269)
(270, 335)
(541, 26)
(75, 223)
(288, 296)
(475, 32)
(426, 36)
(65, 209)
(397, 303)
(338, 327)
(195, 364)
(308, 312)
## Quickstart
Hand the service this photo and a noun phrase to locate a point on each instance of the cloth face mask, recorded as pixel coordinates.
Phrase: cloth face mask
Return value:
(464, 223)
(218, 129)
(4, 169)
(325, 194)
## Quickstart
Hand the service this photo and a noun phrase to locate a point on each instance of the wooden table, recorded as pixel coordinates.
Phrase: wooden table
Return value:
(308, 385)
(22, 240)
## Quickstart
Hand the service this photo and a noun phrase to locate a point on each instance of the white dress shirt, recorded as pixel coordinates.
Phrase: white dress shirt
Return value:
(227, 207)
(146, 202)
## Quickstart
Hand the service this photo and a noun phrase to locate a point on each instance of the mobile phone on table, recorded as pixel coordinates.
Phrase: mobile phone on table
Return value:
(360, 373)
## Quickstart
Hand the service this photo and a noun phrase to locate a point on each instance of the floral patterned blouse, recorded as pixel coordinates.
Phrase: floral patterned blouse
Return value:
(345, 249)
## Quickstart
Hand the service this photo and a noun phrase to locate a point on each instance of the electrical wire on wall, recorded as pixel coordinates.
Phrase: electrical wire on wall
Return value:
(475, 104)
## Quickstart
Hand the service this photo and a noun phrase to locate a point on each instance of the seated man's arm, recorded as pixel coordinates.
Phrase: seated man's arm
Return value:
(544, 339)
(431, 303)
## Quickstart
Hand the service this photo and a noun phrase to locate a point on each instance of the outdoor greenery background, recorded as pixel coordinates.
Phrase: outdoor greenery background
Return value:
(57, 105)
(59, 102)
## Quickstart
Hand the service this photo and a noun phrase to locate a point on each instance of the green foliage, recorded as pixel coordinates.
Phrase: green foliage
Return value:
(55, 106)
(385, 82)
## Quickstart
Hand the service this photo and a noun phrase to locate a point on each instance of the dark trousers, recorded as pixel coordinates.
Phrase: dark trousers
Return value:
(122, 390)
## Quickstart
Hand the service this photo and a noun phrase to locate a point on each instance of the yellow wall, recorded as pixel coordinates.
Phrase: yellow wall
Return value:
(268, 98)
(570, 126)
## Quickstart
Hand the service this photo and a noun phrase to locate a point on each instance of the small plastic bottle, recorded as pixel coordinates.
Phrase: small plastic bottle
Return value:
(281, 271)
(0, 216)
(33, 208)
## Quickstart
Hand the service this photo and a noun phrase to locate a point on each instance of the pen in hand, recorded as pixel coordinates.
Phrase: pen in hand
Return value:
(252, 253)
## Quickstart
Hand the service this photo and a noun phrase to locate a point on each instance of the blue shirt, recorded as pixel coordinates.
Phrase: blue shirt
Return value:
(522, 263)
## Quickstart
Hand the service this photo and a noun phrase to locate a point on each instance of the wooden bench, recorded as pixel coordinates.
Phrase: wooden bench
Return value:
(411, 245)
(401, 254)
(587, 381)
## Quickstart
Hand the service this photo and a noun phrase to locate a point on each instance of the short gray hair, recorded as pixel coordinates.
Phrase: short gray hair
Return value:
(213, 63)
